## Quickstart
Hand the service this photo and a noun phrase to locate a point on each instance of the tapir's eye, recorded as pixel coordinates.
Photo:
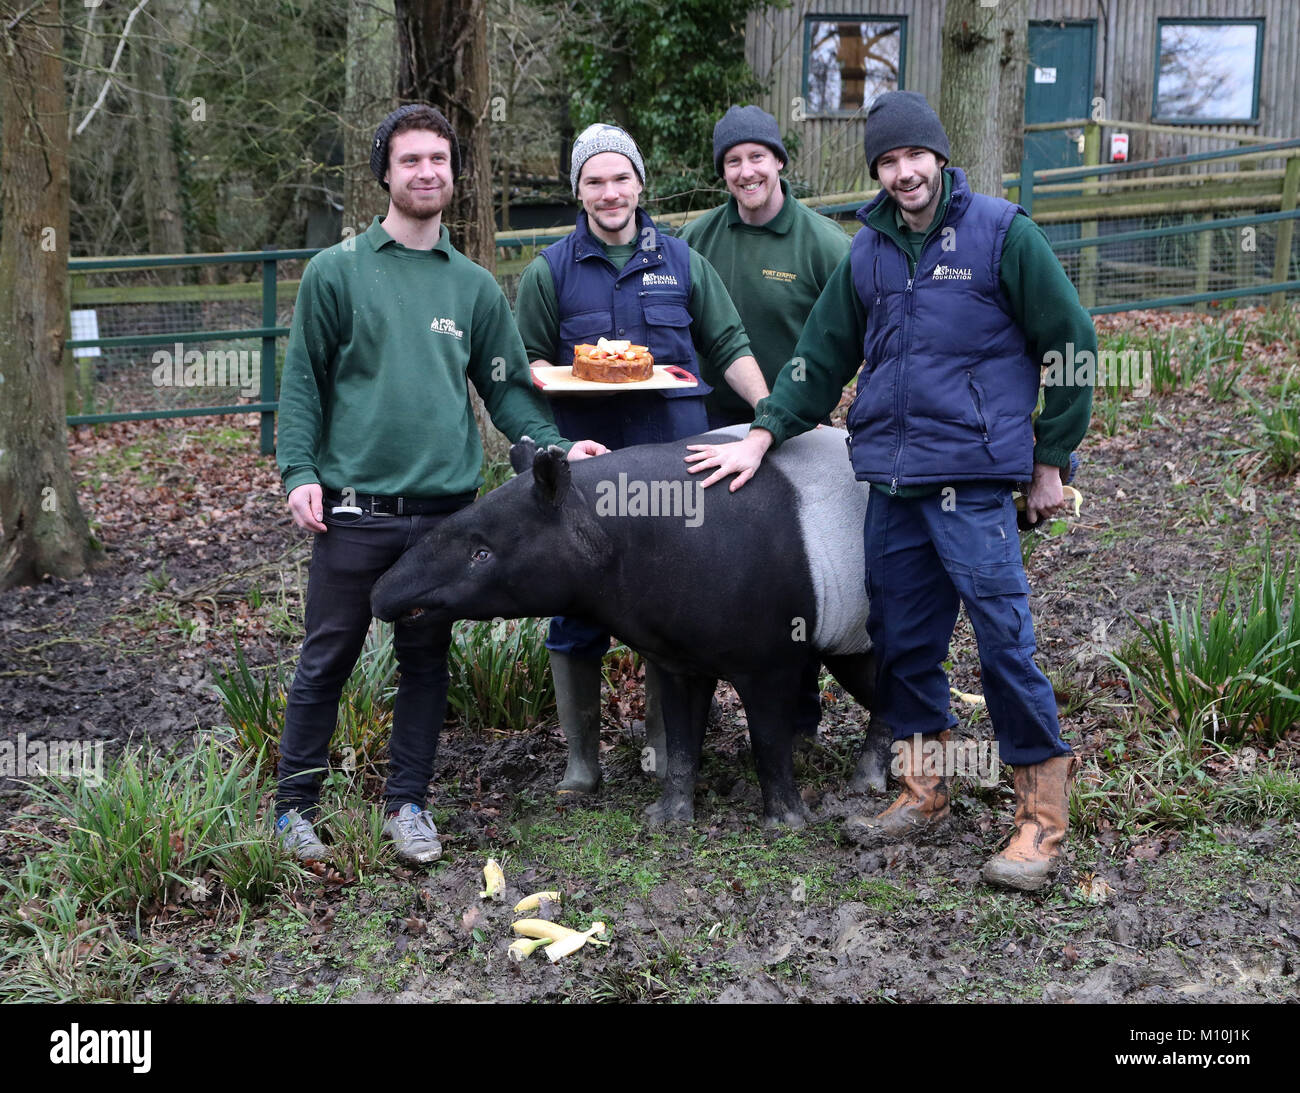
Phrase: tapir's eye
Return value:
(480, 555)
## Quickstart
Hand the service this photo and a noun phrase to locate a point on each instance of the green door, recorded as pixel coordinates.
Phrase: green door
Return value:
(1058, 87)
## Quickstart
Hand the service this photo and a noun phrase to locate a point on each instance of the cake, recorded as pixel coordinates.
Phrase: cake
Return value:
(612, 362)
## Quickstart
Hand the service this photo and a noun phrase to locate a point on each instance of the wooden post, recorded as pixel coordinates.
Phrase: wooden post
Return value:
(1285, 228)
(1026, 193)
(1204, 249)
(1088, 228)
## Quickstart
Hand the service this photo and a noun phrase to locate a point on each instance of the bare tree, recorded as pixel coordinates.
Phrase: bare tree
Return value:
(1013, 17)
(42, 528)
(968, 92)
(371, 84)
(444, 62)
(154, 128)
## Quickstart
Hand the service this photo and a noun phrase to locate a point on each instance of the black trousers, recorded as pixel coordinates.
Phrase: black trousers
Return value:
(346, 561)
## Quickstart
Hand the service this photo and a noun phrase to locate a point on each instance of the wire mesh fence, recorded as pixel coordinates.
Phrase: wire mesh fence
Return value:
(1116, 264)
(1132, 262)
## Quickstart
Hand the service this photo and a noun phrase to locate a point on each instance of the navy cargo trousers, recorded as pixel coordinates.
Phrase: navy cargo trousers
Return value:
(925, 556)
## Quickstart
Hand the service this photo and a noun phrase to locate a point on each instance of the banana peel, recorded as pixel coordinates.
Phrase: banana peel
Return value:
(522, 948)
(567, 939)
(494, 879)
(562, 948)
(534, 901)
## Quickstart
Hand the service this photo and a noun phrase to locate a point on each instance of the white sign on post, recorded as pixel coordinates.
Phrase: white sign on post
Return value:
(1044, 75)
(85, 326)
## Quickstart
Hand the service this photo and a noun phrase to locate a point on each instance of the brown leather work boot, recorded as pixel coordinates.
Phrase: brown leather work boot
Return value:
(923, 804)
(1042, 819)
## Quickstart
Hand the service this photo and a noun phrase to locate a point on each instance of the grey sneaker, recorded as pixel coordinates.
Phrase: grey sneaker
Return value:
(412, 831)
(298, 837)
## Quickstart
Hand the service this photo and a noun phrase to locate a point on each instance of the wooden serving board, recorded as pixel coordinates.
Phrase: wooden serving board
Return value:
(558, 380)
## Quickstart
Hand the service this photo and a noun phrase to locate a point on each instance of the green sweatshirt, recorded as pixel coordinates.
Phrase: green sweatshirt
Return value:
(774, 272)
(375, 390)
(1043, 303)
(716, 331)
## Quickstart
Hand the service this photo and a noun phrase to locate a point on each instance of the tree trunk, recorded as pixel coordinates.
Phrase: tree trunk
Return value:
(42, 528)
(969, 92)
(444, 62)
(1014, 17)
(153, 123)
(371, 75)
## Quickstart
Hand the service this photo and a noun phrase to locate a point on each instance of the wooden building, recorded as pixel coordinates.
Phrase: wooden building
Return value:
(1230, 66)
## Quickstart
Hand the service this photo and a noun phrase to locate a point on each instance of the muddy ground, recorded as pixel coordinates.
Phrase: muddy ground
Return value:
(199, 546)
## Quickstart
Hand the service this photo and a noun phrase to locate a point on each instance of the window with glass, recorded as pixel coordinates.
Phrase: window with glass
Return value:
(849, 61)
(1208, 70)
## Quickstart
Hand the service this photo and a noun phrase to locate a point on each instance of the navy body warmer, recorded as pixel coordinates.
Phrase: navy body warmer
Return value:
(647, 302)
(948, 390)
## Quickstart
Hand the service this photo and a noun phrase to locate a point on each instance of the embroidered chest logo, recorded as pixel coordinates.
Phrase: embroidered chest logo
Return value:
(781, 275)
(658, 279)
(446, 326)
(950, 273)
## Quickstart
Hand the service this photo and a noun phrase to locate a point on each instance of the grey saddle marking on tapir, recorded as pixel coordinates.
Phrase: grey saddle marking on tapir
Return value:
(748, 586)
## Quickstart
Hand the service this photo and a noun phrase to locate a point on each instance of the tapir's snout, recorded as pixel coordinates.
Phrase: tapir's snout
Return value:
(400, 595)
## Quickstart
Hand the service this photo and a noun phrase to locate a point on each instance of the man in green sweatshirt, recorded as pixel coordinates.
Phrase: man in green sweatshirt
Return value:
(774, 254)
(954, 301)
(377, 443)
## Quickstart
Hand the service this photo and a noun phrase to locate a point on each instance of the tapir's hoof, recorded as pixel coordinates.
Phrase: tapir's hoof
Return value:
(572, 787)
(665, 811)
(869, 776)
(791, 819)
(579, 778)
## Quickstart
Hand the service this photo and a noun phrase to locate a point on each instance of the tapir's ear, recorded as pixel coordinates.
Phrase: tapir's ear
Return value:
(522, 454)
(552, 476)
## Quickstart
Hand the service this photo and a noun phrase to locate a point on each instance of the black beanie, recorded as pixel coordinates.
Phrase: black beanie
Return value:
(902, 119)
(741, 124)
(379, 148)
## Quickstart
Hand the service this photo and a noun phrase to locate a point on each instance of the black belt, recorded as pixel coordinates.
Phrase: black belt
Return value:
(375, 505)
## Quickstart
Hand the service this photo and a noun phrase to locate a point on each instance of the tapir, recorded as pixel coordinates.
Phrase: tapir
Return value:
(748, 586)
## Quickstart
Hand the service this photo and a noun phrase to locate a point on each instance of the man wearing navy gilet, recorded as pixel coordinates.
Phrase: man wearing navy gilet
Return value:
(950, 300)
(618, 277)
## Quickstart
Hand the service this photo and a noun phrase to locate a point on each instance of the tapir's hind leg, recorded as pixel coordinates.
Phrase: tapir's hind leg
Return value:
(685, 712)
(655, 758)
(856, 673)
(770, 705)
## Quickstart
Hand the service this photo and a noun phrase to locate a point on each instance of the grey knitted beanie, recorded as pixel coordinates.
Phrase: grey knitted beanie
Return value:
(902, 119)
(741, 124)
(603, 138)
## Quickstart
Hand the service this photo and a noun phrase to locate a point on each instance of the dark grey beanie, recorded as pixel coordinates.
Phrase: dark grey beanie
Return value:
(741, 124)
(379, 147)
(902, 119)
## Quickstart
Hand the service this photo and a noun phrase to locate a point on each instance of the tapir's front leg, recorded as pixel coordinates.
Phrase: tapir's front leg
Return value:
(685, 711)
(771, 702)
